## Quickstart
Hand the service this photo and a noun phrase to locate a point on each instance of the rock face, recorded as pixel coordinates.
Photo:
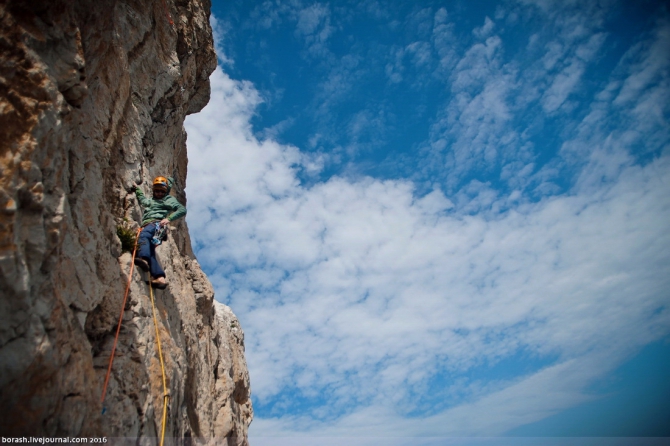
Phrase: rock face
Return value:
(93, 95)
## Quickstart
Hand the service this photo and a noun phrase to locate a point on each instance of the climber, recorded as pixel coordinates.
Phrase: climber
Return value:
(158, 212)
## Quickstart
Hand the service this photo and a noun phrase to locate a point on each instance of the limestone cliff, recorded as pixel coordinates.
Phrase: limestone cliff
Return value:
(93, 95)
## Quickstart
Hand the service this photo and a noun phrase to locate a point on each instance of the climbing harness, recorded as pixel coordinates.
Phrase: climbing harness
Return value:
(160, 234)
(166, 395)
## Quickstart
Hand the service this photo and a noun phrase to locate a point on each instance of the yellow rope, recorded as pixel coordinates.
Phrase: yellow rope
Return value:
(166, 397)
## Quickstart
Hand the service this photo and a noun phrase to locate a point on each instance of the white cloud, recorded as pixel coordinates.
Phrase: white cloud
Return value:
(651, 69)
(312, 22)
(359, 293)
(311, 18)
(562, 86)
(473, 130)
(268, 14)
(338, 83)
(421, 52)
(501, 95)
(360, 290)
(218, 32)
(568, 79)
(313, 25)
(444, 41)
(485, 30)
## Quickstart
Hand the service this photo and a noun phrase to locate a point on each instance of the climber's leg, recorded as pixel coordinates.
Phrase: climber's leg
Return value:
(159, 282)
(144, 247)
(147, 251)
(156, 269)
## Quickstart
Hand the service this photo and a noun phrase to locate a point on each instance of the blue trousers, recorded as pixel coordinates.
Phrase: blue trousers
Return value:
(147, 250)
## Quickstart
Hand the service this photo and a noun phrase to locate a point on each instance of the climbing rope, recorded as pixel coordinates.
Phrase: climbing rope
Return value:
(118, 328)
(167, 13)
(166, 396)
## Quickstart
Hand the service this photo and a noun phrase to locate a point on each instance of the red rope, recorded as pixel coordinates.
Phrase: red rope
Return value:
(167, 13)
(118, 328)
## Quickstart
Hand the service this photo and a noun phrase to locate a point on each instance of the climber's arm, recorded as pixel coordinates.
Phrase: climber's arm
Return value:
(178, 210)
(144, 201)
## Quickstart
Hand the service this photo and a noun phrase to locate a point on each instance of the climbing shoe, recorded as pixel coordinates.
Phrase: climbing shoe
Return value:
(143, 264)
(159, 282)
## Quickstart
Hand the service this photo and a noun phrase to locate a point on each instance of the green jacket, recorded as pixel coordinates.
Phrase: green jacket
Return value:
(167, 207)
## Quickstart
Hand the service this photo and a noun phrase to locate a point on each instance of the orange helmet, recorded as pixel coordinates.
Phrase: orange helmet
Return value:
(161, 183)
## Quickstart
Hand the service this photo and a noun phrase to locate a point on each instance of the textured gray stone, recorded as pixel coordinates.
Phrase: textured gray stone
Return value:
(93, 96)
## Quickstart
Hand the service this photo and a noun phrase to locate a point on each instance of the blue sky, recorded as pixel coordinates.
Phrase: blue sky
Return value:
(441, 219)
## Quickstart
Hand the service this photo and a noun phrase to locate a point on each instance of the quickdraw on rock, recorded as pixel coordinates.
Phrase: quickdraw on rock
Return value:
(160, 235)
